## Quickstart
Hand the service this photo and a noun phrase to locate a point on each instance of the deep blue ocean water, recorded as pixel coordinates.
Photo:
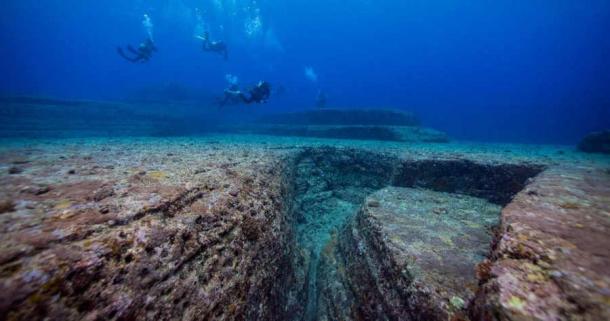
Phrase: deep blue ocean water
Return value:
(533, 71)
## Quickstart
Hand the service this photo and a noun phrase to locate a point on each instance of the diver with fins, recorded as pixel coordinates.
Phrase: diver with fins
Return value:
(259, 94)
(142, 54)
(219, 47)
(145, 49)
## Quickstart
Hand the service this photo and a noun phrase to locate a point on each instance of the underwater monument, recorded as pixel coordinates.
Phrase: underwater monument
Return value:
(362, 124)
(304, 160)
(262, 229)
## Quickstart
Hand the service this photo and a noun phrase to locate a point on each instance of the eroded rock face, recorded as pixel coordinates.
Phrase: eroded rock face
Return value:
(497, 183)
(330, 185)
(409, 254)
(551, 260)
(231, 233)
(157, 241)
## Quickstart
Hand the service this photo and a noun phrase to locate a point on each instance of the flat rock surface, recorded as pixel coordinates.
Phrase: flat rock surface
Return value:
(344, 117)
(194, 228)
(437, 238)
(356, 132)
(152, 232)
(553, 257)
(362, 124)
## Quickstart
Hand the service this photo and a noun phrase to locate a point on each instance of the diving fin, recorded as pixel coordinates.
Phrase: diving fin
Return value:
(121, 53)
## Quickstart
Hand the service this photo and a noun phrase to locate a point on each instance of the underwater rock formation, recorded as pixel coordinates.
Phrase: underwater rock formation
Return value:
(32, 117)
(409, 254)
(329, 186)
(551, 258)
(371, 117)
(229, 231)
(497, 183)
(159, 241)
(332, 184)
(598, 142)
(361, 132)
(364, 124)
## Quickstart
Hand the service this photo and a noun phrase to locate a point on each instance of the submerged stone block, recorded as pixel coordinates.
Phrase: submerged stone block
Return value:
(359, 132)
(224, 231)
(362, 124)
(411, 254)
(552, 259)
(344, 117)
(161, 241)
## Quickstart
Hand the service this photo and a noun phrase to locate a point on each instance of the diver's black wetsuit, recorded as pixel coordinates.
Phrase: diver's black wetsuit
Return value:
(215, 46)
(142, 54)
(259, 94)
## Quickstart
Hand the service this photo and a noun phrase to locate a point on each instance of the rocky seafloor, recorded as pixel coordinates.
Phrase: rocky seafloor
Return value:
(269, 228)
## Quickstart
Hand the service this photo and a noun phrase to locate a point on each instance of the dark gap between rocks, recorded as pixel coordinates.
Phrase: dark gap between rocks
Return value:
(330, 187)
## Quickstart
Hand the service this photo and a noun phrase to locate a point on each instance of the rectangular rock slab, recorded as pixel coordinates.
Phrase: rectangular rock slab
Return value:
(552, 258)
(432, 241)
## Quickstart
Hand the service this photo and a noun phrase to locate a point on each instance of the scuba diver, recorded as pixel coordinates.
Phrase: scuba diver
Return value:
(145, 49)
(142, 54)
(219, 47)
(259, 94)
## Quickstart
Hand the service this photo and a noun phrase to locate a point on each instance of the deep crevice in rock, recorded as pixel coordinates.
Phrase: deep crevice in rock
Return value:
(330, 186)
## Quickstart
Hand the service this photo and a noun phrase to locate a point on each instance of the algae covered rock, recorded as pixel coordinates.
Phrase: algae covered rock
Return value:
(410, 254)
(227, 232)
(153, 242)
(552, 257)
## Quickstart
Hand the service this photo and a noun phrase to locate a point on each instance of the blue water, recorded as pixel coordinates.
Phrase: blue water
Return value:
(533, 71)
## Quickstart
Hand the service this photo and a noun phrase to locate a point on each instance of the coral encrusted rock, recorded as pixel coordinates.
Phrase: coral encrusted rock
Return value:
(410, 254)
(147, 237)
(552, 258)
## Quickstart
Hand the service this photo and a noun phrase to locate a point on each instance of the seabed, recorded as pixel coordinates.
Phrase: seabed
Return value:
(251, 227)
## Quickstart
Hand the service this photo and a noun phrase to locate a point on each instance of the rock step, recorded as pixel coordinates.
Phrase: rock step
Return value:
(344, 117)
(413, 253)
(359, 132)
(551, 259)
